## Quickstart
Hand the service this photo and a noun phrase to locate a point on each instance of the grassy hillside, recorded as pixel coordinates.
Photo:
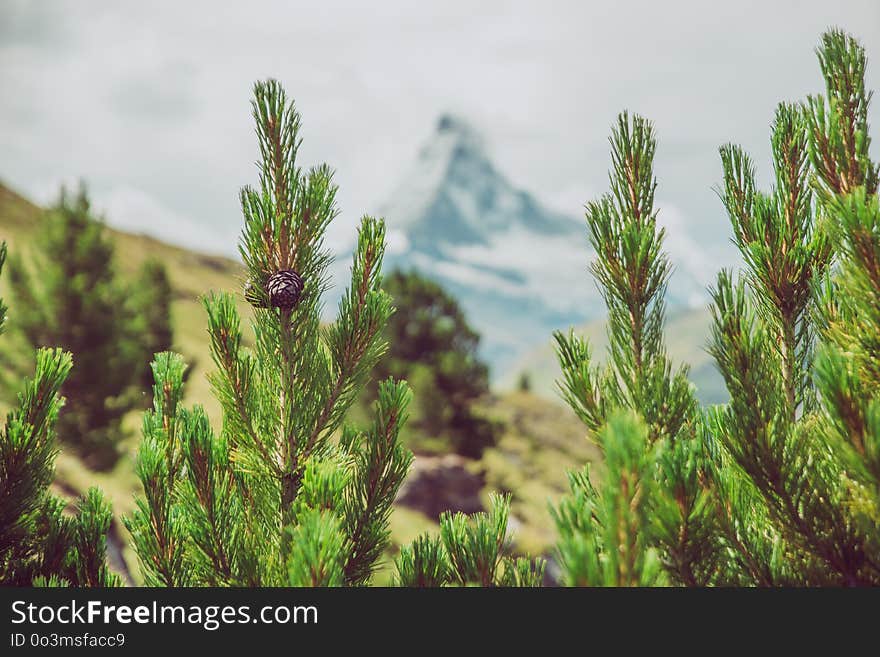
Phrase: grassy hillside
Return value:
(541, 440)
(191, 274)
(540, 443)
(687, 334)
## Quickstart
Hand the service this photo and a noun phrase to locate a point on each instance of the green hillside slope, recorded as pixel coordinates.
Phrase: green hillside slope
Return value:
(687, 334)
(192, 275)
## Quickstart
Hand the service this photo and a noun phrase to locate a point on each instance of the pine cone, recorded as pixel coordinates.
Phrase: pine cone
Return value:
(284, 289)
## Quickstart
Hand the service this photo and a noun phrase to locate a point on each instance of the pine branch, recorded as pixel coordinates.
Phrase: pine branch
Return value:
(158, 530)
(380, 465)
(39, 544)
(838, 123)
(580, 385)
(237, 387)
(423, 564)
(318, 544)
(27, 461)
(632, 271)
(684, 522)
(604, 532)
(355, 340)
(270, 500)
(91, 524)
(211, 502)
(476, 544)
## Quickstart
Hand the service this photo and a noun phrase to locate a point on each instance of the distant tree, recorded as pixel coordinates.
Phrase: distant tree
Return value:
(524, 384)
(39, 543)
(151, 301)
(70, 297)
(432, 346)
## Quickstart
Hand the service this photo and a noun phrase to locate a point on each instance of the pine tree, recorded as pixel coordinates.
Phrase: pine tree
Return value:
(287, 493)
(800, 415)
(71, 297)
(653, 507)
(284, 493)
(40, 544)
(780, 485)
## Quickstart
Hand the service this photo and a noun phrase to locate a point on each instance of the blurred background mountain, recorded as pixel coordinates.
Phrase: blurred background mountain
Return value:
(520, 269)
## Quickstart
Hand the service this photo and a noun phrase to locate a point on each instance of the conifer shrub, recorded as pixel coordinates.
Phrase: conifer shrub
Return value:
(432, 346)
(779, 486)
(283, 493)
(40, 543)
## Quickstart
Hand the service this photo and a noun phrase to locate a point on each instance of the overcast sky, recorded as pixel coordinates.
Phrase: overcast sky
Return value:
(149, 101)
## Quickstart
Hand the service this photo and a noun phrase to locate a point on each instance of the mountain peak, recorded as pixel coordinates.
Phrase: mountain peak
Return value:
(456, 126)
(454, 137)
(516, 266)
(454, 195)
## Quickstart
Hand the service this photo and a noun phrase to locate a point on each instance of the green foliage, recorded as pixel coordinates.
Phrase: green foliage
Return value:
(158, 526)
(838, 121)
(475, 544)
(381, 464)
(604, 533)
(89, 533)
(39, 544)
(522, 572)
(684, 523)
(780, 485)
(318, 541)
(784, 251)
(471, 551)
(786, 426)
(274, 498)
(423, 564)
(71, 297)
(632, 271)
(433, 347)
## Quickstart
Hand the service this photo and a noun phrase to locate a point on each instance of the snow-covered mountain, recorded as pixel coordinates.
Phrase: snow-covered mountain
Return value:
(519, 269)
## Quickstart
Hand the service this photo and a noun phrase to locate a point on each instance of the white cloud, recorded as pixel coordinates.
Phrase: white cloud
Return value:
(132, 209)
(683, 249)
